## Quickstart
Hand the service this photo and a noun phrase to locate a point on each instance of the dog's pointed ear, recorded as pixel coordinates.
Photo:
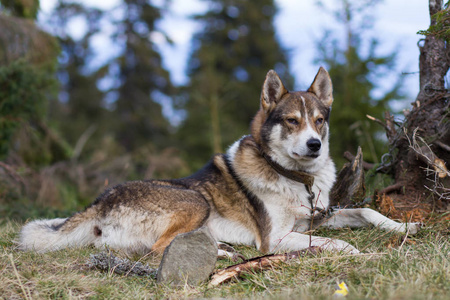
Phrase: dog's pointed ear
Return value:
(322, 87)
(272, 91)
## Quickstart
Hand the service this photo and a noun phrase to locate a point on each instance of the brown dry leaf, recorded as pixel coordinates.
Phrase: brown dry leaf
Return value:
(440, 168)
(395, 241)
(415, 215)
(386, 205)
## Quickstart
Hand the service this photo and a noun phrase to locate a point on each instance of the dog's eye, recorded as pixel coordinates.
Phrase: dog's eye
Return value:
(319, 121)
(292, 121)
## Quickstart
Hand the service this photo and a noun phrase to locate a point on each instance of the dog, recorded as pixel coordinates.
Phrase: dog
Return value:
(268, 188)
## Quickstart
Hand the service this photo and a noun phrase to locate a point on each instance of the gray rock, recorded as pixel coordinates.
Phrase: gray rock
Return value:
(190, 258)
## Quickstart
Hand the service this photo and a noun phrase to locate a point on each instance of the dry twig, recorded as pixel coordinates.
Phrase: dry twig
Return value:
(25, 294)
(391, 188)
(257, 264)
(436, 166)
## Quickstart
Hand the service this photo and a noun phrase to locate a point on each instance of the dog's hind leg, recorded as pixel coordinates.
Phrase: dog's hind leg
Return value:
(362, 217)
(186, 218)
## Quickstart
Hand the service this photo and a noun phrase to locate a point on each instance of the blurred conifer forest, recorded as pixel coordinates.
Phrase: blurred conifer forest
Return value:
(71, 127)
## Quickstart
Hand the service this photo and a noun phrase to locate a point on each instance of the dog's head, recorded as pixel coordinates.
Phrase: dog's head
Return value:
(292, 127)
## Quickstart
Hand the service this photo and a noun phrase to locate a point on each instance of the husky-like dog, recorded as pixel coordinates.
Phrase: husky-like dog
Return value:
(269, 187)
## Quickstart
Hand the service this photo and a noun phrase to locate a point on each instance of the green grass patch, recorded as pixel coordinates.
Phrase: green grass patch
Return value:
(390, 267)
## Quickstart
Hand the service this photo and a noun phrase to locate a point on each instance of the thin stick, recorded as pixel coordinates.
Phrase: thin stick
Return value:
(442, 145)
(312, 219)
(349, 255)
(391, 188)
(407, 232)
(380, 236)
(376, 121)
(18, 278)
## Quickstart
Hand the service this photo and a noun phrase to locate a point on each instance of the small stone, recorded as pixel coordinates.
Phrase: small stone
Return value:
(190, 258)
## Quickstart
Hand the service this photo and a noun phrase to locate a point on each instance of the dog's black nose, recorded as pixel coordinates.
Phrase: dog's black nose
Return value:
(314, 144)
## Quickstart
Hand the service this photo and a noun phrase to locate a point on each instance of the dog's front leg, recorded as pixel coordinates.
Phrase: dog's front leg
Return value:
(362, 217)
(293, 241)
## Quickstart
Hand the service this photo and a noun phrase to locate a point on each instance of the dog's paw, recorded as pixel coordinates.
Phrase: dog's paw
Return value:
(337, 245)
(406, 228)
(413, 228)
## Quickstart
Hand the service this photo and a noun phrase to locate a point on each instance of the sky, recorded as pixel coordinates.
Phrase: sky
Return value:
(299, 23)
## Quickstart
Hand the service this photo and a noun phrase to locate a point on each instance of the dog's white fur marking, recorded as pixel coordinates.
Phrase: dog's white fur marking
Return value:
(283, 151)
(138, 230)
(41, 237)
(229, 231)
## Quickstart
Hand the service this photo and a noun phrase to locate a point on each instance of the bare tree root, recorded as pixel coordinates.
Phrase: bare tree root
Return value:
(435, 165)
(442, 145)
(391, 188)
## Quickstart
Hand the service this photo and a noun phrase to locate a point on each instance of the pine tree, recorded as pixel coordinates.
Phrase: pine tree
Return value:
(231, 56)
(128, 110)
(81, 101)
(142, 80)
(21, 9)
(355, 76)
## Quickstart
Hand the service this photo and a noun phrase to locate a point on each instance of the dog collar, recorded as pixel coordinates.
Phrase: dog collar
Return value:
(299, 176)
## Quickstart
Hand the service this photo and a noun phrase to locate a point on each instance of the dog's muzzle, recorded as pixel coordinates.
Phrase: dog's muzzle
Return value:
(314, 145)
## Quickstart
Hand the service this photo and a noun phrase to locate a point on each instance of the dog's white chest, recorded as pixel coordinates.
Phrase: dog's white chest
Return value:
(292, 198)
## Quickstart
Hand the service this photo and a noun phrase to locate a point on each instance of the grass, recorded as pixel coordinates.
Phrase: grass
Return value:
(391, 267)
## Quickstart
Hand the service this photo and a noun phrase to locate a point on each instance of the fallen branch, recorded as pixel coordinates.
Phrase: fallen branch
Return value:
(442, 145)
(257, 264)
(388, 125)
(391, 188)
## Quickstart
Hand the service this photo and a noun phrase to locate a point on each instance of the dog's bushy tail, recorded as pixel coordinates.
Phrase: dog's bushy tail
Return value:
(54, 234)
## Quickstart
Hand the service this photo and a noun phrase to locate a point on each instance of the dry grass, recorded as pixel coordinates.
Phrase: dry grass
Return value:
(392, 267)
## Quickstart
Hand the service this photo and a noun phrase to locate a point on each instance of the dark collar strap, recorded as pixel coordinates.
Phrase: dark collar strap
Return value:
(299, 176)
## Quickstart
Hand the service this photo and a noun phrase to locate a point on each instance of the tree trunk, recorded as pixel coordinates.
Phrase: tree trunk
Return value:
(419, 149)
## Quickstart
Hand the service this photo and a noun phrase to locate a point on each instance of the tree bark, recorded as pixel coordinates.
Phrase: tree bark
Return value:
(426, 128)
